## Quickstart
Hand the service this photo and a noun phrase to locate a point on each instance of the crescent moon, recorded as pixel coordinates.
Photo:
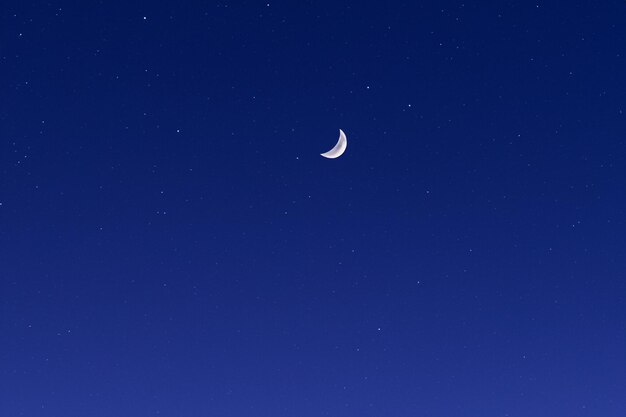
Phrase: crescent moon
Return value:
(339, 148)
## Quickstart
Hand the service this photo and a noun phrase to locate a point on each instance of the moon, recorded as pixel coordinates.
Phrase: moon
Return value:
(339, 148)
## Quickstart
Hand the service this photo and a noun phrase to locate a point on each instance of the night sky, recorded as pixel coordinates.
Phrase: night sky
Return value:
(172, 243)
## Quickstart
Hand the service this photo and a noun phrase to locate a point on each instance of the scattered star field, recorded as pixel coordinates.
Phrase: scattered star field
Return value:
(173, 244)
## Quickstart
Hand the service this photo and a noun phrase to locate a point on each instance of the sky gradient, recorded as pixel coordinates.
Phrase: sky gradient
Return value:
(173, 244)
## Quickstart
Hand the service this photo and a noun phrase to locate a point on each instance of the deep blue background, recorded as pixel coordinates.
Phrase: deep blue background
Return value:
(171, 242)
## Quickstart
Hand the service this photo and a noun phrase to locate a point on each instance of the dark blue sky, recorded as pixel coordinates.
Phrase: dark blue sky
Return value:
(172, 244)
